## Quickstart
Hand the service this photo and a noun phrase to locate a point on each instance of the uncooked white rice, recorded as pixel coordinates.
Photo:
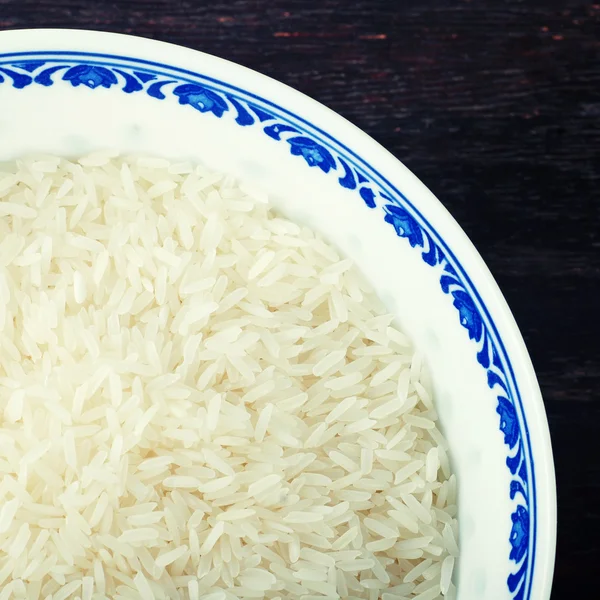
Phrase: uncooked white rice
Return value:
(201, 399)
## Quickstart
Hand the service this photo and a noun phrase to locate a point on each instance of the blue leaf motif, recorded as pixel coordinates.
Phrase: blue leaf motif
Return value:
(434, 255)
(132, 84)
(516, 487)
(19, 80)
(368, 196)
(493, 379)
(155, 90)
(244, 118)
(347, 180)
(513, 462)
(496, 358)
(91, 76)
(470, 318)
(515, 579)
(312, 152)
(44, 78)
(483, 356)
(404, 225)
(523, 471)
(446, 281)
(201, 98)
(509, 424)
(450, 269)
(519, 535)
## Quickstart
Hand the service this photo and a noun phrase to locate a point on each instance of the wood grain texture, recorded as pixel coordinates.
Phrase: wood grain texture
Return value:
(495, 105)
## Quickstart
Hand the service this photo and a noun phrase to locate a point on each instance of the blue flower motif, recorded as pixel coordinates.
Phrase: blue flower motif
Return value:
(314, 154)
(404, 225)
(519, 535)
(470, 318)
(91, 76)
(201, 99)
(509, 425)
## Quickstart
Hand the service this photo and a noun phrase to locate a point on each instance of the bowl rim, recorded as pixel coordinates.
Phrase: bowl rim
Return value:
(477, 274)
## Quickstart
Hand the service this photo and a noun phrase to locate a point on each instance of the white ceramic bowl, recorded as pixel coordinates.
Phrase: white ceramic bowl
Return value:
(70, 92)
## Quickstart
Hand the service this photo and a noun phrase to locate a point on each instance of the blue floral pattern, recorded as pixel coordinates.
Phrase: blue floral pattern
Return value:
(404, 225)
(201, 99)
(216, 99)
(470, 318)
(312, 152)
(91, 76)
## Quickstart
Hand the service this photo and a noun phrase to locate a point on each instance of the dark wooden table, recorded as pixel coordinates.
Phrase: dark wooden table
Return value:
(496, 106)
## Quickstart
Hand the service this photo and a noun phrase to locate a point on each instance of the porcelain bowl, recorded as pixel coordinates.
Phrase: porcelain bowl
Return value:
(72, 92)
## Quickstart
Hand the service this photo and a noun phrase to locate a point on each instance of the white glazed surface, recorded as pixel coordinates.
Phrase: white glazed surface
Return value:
(69, 120)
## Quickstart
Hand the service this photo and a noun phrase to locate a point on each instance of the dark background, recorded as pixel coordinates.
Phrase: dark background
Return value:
(495, 105)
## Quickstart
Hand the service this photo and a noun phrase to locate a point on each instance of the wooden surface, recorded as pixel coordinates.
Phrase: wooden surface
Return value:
(495, 105)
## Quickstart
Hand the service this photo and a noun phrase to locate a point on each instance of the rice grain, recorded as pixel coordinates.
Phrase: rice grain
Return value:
(204, 400)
